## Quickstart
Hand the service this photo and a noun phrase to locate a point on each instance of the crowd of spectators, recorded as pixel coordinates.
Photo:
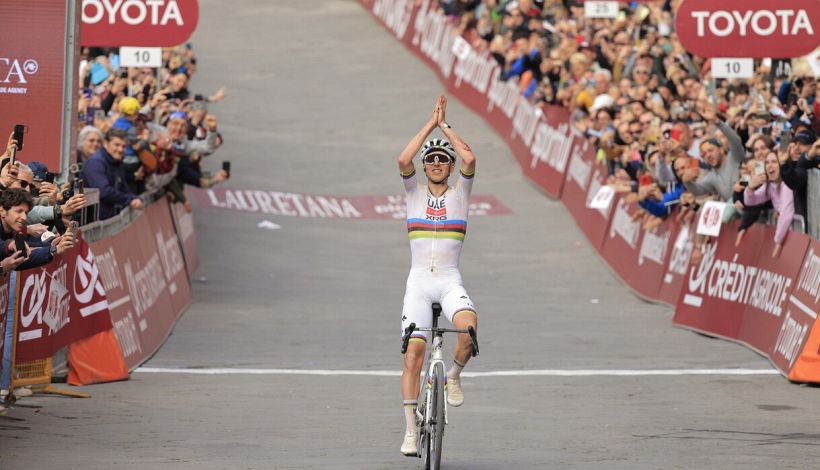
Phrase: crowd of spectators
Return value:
(140, 130)
(668, 133)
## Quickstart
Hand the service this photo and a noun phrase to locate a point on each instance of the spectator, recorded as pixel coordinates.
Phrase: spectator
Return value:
(88, 142)
(794, 166)
(104, 170)
(769, 187)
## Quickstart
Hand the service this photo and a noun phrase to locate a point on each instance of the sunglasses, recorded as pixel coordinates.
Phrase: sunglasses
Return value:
(437, 158)
(24, 184)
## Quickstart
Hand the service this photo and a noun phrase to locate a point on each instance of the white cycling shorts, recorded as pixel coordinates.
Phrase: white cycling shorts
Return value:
(425, 288)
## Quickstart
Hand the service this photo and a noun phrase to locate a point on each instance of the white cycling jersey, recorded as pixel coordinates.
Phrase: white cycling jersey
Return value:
(436, 227)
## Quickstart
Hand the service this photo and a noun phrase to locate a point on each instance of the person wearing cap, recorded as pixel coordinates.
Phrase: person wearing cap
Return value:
(802, 155)
(436, 225)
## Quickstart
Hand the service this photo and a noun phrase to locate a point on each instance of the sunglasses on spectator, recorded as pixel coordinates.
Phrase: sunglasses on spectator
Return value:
(437, 158)
(24, 184)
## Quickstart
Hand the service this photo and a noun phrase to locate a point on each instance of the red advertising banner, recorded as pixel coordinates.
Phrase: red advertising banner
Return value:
(170, 255)
(748, 28)
(144, 23)
(332, 207)
(132, 272)
(623, 238)
(677, 266)
(798, 340)
(32, 67)
(584, 178)
(768, 306)
(711, 300)
(184, 225)
(653, 258)
(61, 302)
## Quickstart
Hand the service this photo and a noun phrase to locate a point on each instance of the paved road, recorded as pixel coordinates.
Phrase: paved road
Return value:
(321, 100)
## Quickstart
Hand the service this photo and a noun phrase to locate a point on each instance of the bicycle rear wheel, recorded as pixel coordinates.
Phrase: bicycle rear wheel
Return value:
(435, 432)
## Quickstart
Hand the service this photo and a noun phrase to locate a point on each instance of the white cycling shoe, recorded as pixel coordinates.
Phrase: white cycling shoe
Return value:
(410, 446)
(455, 397)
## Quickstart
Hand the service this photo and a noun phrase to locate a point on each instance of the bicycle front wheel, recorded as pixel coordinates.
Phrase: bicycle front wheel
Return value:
(436, 430)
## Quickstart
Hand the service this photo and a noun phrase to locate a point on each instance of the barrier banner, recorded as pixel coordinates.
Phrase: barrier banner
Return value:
(584, 178)
(133, 276)
(710, 300)
(798, 340)
(184, 226)
(170, 255)
(677, 265)
(768, 305)
(623, 239)
(653, 258)
(61, 302)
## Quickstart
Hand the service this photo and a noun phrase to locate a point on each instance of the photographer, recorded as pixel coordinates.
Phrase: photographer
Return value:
(802, 155)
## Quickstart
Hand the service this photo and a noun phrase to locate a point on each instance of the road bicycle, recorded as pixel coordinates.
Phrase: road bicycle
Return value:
(431, 413)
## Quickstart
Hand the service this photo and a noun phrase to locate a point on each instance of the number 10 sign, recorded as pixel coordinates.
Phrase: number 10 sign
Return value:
(733, 68)
(141, 56)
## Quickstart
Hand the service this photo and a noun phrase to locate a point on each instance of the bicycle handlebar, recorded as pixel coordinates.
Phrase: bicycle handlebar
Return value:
(412, 327)
(406, 339)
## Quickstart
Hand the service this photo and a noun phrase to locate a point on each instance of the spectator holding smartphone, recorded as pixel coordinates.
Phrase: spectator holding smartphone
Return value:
(794, 166)
(769, 186)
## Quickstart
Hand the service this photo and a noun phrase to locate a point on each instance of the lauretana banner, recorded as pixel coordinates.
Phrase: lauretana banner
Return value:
(742, 294)
(61, 302)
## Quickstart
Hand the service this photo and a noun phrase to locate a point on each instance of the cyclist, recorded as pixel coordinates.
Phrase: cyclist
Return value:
(436, 225)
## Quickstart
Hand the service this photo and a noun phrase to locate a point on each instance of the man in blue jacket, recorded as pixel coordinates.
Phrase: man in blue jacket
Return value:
(104, 170)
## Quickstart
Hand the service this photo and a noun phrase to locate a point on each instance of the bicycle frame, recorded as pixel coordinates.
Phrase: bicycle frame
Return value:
(436, 357)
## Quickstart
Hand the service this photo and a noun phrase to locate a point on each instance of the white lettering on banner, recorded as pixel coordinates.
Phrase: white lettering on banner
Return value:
(653, 247)
(107, 264)
(790, 339)
(396, 15)
(735, 282)
(525, 121)
(185, 221)
(552, 146)
(59, 302)
(476, 70)
(594, 187)
(579, 170)
(169, 255)
(16, 73)
(723, 23)
(132, 12)
(681, 253)
(32, 298)
(291, 204)
(146, 285)
(88, 275)
(126, 332)
(503, 94)
(623, 225)
(434, 37)
(809, 278)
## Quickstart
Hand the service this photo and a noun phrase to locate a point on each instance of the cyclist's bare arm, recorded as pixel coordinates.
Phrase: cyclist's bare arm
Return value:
(462, 149)
(406, 156)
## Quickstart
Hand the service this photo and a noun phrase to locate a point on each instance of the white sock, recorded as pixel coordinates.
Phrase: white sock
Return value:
(455, 371)
(410, 415)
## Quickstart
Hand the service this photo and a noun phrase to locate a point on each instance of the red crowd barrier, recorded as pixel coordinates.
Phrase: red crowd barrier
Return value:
(113, 302)
(771, 306)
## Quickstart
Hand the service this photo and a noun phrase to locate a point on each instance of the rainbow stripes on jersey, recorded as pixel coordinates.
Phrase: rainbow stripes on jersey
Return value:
(452, 229)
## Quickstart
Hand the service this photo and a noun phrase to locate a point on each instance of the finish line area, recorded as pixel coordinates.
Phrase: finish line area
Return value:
(497, 373)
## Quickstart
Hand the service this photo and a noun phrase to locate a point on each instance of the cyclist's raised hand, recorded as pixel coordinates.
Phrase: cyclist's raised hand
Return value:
(436, 111)
(441, 109)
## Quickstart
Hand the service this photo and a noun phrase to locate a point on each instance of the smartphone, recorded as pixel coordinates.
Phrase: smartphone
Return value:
(79, 186)
(760, 168)
(226, 165)
(124, 73)
(87, 92)
(49, 178)
(19, 132)
(20, 243)
(645, 180)
(785, 140)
